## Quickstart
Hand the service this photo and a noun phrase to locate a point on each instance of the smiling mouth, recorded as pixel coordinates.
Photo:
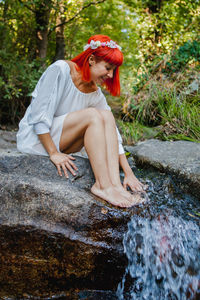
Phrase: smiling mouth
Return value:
(102, 79)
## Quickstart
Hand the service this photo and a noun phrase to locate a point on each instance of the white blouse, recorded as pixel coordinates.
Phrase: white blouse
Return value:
(54, 95)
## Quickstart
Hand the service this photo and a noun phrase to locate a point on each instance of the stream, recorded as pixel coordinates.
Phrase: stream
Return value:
(162, 245)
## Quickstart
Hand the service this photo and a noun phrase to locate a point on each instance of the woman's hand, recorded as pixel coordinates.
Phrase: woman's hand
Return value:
(133, 183)
(130, 180)
(63, 162)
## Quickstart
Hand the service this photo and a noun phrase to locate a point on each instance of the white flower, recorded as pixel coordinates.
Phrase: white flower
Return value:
(86, 47)
(93, 45)
(96, 44)
(112, 44)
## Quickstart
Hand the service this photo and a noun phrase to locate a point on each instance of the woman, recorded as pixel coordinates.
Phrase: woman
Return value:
(68, 111)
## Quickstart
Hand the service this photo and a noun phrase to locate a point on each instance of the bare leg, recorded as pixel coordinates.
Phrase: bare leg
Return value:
(113, 155)
(111, 146)
(88, 125)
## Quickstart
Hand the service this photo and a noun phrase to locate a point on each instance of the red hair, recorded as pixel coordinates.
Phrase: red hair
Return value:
(111, 55)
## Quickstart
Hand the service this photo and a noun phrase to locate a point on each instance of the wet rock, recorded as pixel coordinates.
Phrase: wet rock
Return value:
(97, 295)
(54, 234)
(180, 158)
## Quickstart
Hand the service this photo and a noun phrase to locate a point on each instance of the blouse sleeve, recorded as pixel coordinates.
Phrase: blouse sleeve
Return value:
(102, 104)
(46, 97)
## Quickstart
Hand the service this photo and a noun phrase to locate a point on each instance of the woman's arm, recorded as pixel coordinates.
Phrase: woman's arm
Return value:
(129, 178)
(60, 160)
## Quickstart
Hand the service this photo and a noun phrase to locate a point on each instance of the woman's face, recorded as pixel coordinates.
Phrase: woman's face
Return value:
(100, 70)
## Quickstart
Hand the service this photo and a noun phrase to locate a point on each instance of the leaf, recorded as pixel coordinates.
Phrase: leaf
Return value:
(191, 215)
(197, 213)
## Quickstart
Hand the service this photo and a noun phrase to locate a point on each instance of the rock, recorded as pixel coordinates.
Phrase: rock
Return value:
(54, 234)
(180, 158)
(7, 139)
(193, 87)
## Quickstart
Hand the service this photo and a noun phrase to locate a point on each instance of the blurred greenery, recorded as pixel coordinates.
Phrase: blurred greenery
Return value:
(160, 76)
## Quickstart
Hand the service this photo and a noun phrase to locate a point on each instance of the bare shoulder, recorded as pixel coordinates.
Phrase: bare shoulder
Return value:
(72, 65)
(75, 74)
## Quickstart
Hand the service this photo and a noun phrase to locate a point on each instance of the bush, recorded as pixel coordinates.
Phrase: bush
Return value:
(187, 53)
(18, 78)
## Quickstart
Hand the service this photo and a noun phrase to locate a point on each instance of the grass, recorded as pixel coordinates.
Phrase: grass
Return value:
(180, 119)
(132, 132)
(161, 112)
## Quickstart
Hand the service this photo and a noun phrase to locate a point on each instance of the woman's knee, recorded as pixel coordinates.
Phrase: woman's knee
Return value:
(93, 115)
(107, 116)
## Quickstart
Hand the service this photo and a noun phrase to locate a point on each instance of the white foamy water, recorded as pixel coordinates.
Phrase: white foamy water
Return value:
(163, 260)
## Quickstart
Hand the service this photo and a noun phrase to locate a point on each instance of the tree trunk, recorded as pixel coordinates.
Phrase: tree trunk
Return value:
(42, 14)
(60, 39)
(3, 32)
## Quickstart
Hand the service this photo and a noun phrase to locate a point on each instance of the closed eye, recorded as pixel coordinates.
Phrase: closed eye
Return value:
(111, 67)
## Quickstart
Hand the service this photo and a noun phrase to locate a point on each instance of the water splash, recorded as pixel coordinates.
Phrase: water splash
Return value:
(163, 259)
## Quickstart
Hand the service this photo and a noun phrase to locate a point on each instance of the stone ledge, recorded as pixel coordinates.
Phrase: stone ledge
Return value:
(180, 158)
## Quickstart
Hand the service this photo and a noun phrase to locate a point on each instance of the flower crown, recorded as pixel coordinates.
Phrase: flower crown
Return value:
(96, 44)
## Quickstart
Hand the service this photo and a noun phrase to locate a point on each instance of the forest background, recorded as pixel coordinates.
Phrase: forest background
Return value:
(160, 77)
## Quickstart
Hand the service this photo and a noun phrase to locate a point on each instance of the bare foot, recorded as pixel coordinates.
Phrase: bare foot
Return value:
(137, 199)
(133, 198)
(112, 196)
(124, 193)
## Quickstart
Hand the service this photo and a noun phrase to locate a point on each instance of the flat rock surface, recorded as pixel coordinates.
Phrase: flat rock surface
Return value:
(180, 158)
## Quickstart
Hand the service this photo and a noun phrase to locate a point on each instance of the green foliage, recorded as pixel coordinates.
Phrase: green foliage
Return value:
(187, 53)
(155, 35)
(178, 60)
(17, 80)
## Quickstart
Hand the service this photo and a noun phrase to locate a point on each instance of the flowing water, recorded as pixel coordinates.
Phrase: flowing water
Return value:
(162, 245)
